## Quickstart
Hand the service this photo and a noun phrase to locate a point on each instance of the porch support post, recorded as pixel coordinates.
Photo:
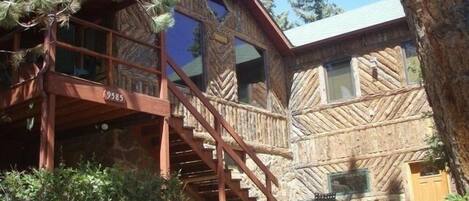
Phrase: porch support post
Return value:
(164, 149)
(220, 168)
(47, 143)
(47, 137)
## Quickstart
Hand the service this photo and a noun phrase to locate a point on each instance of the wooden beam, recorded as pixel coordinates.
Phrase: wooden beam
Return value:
(163, 63)
(73, 87)
(220, 166)
(164, 149)
(19, 93)
(47, 138)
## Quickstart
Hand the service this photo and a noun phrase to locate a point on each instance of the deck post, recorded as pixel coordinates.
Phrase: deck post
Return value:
(220, 169)
(163, 94)
(164, 149)
(47, 137)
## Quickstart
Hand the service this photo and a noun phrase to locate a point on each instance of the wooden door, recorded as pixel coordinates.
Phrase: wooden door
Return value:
(429, 183)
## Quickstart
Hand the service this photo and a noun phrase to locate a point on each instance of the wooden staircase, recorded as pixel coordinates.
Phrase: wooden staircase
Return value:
(205, 170)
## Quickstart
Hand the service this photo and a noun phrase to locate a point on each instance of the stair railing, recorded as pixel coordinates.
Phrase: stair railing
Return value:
(215, 132)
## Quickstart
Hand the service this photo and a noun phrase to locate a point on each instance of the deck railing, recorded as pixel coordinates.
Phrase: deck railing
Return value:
(113, 62)
(216, 130)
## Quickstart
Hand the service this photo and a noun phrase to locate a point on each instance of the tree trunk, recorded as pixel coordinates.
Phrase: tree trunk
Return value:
(442, 31)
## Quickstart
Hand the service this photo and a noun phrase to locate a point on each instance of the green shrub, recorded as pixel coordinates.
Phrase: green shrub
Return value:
(88, 182)
(456, 197)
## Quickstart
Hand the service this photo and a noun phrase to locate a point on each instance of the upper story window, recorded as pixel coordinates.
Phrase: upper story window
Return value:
(184, 45)
(340, 84)
(412, 63)
(218, 8)
(250, 73)
(354, 181)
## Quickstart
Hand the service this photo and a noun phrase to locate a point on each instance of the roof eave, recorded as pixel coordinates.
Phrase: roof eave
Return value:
(273, 31)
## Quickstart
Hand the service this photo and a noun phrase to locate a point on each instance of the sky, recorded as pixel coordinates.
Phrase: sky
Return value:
(283, 5)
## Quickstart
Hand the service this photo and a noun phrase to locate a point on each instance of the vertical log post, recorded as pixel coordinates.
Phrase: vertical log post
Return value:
(268, 184)
(109, 64)
(47, 138)
(163, 94)
(220, 169)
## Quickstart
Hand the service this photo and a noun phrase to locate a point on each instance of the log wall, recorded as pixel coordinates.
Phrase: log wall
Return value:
(265, 125)
(381, 130)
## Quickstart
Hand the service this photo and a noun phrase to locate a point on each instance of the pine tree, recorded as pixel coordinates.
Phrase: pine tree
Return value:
(313, 10)
(282, 19)
(36, 12)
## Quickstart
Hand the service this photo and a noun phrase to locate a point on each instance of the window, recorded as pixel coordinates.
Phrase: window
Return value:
(218, 8)
(250, 74)
(412, 63)
(355, 181)
(339, 80)
(184, 45)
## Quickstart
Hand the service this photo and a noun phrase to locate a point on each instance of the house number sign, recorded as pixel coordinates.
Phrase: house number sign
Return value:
(113, 96)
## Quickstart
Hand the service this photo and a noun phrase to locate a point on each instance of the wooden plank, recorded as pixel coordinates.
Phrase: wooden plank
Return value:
(82, 89)
(19, 93)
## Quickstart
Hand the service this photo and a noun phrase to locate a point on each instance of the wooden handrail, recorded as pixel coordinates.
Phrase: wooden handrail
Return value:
(102, 28)
(103, 56)
(217, 135)
(218, 116)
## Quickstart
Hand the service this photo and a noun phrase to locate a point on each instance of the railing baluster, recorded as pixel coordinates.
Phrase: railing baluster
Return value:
(109, 65)
(268, 185)
(163, 79)
(220, 169)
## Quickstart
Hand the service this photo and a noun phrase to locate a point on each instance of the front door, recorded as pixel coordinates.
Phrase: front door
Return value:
(429, 183)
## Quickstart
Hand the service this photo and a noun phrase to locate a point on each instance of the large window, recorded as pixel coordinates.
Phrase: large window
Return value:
(250, 74)
(184, 45)
(339, 80)
(412, 63)
(355, 181)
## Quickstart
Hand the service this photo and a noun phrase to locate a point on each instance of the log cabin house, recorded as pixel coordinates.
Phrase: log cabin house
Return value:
(240, 109)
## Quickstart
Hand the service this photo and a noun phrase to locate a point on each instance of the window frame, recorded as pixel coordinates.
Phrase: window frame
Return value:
(264, 51)
(355, 83)
(406, 66)
(203, 46)
(366, 171)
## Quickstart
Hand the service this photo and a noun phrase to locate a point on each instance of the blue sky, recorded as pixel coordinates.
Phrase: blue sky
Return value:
(283, 5)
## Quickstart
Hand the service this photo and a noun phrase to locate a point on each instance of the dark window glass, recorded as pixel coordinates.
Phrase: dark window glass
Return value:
(412, 63)
(250, 74)
(218, 8)
(340, 84)
(184, 45)
(82, 65)
(355, 181)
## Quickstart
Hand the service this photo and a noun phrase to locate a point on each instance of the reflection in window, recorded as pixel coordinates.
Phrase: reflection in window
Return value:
(81, 65)
(340, 84)
(250, 74)
(355, 181)
(412, 63)
(218, 8)
(184, 45)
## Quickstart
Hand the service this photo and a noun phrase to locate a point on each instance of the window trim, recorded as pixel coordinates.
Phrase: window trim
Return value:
(203, 46)
(265, 66)
(404, 61)
(354, 76)
(362, 170)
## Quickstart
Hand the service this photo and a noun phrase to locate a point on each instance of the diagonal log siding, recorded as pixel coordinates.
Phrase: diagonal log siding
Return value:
(266, 125)
(380, 131)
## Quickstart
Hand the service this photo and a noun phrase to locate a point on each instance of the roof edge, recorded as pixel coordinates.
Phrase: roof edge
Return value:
(348, 35)
(271, 28)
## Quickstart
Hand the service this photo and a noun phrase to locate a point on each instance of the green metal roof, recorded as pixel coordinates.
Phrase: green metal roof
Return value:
(370, 15)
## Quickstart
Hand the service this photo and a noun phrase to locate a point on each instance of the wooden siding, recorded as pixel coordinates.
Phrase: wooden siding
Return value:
(253, 124)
